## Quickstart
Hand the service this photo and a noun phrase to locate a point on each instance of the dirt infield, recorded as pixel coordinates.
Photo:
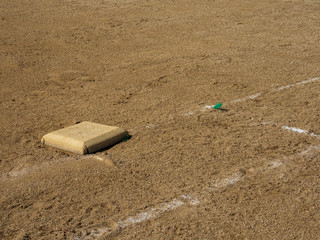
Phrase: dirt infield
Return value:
(154, 68)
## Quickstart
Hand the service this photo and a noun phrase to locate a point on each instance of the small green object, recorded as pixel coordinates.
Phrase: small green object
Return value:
(217, 106)
(126, 138)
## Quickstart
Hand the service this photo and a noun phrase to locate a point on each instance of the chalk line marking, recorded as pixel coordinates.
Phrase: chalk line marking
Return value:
(272, 91)
(230, 180)
(184, 200)
(247, 98)
(27, 170)
(15, 173)
(275, 164)
(292, 129)
(310, 149)
(301, 131)
(297, 84)
(208, 106)
(154, 212)
(188, 113)
(188, 200)
(251, 97)
(227, 181)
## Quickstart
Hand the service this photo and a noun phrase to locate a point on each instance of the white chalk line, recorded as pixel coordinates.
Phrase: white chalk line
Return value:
(234, 178)
(301, 131)
(190, 199)
(246, 98)
(310, 149)
(28, 170)
(292, 129)
(251, 97)
(175, 203)
(15, 173)
(152, 213)
(230, 180)
(260, 93)
(296, 84)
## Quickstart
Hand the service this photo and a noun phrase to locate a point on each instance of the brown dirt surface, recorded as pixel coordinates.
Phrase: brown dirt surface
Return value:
(150, 67)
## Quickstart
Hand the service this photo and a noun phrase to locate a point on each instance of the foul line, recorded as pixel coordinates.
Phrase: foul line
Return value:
(27, 170)
(301, 131)
(18, 173)
(247, 98)
(274, 90)
(292, 129)
(143, 216)
(297, 84)
(188, 200)
(13, 173)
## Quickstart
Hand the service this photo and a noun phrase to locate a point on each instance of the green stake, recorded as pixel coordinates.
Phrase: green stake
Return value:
(217, 106)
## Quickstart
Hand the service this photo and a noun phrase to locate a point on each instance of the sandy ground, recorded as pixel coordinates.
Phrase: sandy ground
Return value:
(151, 67)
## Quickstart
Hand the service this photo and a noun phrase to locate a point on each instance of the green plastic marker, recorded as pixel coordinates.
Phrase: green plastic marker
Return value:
(217, 106)
(126, 138)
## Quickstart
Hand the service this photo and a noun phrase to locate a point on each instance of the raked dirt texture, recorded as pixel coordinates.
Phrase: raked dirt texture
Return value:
(249, 170)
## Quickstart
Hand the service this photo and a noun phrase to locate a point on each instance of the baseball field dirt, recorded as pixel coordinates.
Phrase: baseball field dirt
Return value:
(249, 170)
